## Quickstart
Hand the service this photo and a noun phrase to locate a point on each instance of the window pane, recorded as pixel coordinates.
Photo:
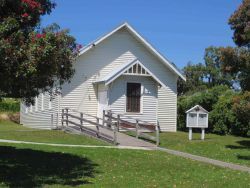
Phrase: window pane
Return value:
(133, 97)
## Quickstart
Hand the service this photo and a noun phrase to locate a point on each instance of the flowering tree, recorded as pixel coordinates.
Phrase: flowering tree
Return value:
(32, 59)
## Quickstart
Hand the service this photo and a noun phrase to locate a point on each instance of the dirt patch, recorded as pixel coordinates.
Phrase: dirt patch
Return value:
(15, 117)
(4, 116)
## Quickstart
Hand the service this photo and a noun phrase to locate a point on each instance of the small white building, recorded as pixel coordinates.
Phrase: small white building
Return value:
(120, 71)
(197, 117)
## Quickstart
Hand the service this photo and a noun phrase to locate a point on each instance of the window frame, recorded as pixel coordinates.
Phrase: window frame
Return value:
(141, 97)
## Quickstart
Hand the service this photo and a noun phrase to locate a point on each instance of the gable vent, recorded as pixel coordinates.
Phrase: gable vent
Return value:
(136, 69)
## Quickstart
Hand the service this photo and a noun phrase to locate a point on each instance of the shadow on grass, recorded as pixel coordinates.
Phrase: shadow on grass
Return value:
(34, 168)
(242, 157)
(243, 144)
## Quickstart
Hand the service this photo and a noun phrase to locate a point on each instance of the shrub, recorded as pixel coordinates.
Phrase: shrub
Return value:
(206, 99)
(9, 105)
(222, 117)
(241, 109)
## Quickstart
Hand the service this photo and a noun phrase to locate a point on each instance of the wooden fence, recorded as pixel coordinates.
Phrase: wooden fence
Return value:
(77, 119)
(111, 122)
(138, 127)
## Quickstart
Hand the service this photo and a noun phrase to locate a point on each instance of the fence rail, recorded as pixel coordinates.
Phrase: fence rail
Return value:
(138, 127)
(111, 122)
(79, 119)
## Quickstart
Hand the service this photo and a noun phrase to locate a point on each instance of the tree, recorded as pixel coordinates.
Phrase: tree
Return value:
(194, 79)
(32, 59)
(213, 68)
(240, 23)
(236, 61)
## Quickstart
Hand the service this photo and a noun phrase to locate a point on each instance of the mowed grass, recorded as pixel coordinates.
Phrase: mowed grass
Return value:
(225, 148)
(27, 165)
(47, 166)
(13, 131)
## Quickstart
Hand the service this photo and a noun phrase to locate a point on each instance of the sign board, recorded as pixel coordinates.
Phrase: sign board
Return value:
(197, 117)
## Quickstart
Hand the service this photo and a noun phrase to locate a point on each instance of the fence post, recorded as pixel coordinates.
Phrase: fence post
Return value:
(109, 119)
(118, 122)
(103, 117)
(62, 117)
(67, 117)
(136, 128)
(97, 127)
(81, 115)
(157, 134)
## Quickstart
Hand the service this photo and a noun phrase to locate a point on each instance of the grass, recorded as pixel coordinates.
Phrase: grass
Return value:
(13, 131)
(226, 148)
(47, 166)
(26, 165)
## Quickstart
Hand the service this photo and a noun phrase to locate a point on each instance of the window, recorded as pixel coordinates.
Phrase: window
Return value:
(133, 97)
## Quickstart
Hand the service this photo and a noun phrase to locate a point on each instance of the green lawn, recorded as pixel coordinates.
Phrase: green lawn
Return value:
(12, 131)
(26, 165)
(47, 166)
(226, 148)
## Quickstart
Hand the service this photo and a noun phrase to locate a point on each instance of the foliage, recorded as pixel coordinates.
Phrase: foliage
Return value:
(194, 79)
(229, 66)
(202, 76)
(222, 117)
(206, 99)
(239, 22)
(213, 65)
(32, 59)
(236, 62)
(241, 109)
(9, 105)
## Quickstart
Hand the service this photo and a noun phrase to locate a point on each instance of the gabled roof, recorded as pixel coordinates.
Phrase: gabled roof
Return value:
(197, 106)
(170, 65)
(109, 78)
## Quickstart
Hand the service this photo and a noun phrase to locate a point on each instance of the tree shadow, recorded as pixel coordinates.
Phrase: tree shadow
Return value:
(243, 144)
(242, 157)
(33, 168)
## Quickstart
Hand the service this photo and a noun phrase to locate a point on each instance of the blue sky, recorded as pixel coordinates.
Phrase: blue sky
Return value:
(179, 29)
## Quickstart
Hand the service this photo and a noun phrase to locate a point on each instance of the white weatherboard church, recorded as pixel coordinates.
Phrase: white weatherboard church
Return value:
(120, 71)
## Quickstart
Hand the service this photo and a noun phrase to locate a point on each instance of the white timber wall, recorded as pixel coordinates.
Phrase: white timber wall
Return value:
(42, 115)
(80, 94)
(117, 97)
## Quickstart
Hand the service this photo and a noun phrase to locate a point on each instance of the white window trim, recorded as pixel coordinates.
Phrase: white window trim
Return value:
(141, 100)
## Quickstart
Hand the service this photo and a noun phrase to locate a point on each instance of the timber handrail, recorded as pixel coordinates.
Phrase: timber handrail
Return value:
(68, 113)
(134, 127)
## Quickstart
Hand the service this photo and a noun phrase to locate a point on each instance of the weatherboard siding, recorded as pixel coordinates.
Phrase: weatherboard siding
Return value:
(42, 118)
(117, 98)
(121, 47)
